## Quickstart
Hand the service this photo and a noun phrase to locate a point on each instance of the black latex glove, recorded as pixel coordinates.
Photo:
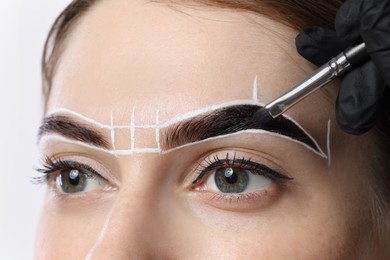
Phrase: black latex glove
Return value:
(364, 90)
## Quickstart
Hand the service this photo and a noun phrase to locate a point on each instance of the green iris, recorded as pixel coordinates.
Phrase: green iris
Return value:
(231, 180)
(72, 181)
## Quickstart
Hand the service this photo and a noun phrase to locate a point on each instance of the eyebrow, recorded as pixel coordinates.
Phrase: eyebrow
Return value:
(66, 126)
(229, 120)
(220, 122)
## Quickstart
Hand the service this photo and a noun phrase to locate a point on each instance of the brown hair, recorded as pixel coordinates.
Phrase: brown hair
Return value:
(55, 41)
(294, 13)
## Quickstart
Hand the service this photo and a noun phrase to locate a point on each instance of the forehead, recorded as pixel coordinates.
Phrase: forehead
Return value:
(148, 58)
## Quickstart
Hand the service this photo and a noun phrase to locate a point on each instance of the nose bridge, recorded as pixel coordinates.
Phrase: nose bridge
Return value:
(131, 225)
(125, 233)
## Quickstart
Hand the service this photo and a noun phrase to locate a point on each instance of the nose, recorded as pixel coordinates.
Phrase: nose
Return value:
(129, 232)
(146, 220)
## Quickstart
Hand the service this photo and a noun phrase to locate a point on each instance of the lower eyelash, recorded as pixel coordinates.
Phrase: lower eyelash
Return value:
(239, 197)
(242, 202)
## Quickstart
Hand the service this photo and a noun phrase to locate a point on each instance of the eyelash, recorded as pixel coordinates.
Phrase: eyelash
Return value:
(51, 169)
(50, 166)
(213, 163)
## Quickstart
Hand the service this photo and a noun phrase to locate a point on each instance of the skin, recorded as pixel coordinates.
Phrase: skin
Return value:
(127, 56)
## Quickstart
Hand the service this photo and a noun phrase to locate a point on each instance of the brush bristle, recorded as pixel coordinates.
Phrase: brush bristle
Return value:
(262, 117)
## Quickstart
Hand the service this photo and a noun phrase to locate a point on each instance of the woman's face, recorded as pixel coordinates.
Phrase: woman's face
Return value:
(152, 152)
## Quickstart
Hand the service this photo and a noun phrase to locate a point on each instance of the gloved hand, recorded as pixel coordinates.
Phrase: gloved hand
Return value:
(364, 90)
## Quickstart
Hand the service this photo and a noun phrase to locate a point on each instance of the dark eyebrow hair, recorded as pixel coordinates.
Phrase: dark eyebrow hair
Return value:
(230, 120)
(65, 126)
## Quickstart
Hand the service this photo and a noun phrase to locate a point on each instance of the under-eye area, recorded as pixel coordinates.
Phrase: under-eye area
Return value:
(230, 179)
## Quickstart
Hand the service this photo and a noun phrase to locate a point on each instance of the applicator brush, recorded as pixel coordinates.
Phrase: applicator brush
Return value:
(334, 68)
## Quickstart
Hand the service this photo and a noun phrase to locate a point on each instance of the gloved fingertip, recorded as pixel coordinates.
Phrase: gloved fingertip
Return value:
(352, 126)
(318, 45)
(349, 113)
(362, 95)
(347, 21)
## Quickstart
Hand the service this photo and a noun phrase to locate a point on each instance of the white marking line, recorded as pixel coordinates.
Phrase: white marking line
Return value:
(328, 137)
(132, 130)
(80, 143)
(254, 95)
(102, 235)
(170, 122)
(112, 131)
(181, 118)
(155, 150)
(146, 150)
(198, 112)
(309, 135)
(158, 130)
(137, 126)
(250, 131)
(118, 126)
(146, 126)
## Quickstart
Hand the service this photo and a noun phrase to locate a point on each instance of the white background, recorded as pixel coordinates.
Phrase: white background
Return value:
(23, 29)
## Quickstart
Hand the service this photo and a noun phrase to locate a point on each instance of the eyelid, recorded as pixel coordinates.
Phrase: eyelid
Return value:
(258, 163)
(82, 162)
(260, 167)
(250, 165)
(51, 167)
(68, 164)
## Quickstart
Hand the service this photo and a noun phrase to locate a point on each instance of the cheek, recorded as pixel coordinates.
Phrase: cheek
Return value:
(312, 238)
(316, 223)
(283, 242)
(289, 240)
(316, 230)
(62, 236)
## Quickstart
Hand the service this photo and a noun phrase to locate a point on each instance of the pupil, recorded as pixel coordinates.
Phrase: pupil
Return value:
(72, 181)
(231, 180)
(74, 174)
(229, 172)
(74, 177)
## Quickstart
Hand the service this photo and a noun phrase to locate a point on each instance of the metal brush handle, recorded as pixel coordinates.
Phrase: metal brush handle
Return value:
(322, 76)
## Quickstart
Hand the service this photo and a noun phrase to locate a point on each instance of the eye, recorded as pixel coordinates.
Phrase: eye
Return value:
(76, 181)
(233, 175)
(236, 180)
(71, 177)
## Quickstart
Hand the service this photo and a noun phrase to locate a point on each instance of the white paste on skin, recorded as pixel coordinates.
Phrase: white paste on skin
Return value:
(101, 236)
(249, 131)
(255, 96)
(132, 130)
(328, 137)
(186, 117)
(158, 130)
(159, 151)
(112, 131)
